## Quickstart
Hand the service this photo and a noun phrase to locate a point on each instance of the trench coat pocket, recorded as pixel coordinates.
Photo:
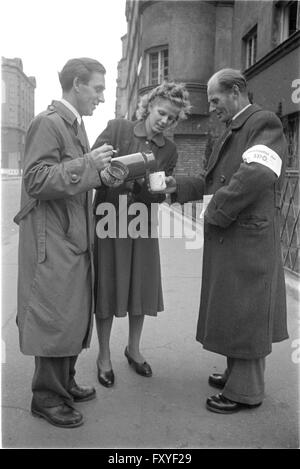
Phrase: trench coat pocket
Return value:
(76, 232)
(41, 231)
(40, 207)
(253, 223)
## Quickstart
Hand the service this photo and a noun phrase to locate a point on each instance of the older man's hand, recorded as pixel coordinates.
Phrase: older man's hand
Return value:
(171, 185)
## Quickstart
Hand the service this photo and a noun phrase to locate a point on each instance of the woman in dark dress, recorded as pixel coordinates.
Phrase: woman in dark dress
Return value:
(128, 277)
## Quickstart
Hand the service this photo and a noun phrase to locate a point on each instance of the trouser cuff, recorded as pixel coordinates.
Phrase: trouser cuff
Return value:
(242, 398)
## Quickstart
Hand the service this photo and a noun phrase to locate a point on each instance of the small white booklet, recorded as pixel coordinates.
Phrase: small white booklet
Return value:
(206, 200)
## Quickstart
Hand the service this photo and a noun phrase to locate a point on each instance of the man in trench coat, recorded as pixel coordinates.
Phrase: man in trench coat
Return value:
(243, 303)
(54, 313)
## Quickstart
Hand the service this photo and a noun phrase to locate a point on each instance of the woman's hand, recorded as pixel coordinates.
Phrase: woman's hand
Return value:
(170, 183)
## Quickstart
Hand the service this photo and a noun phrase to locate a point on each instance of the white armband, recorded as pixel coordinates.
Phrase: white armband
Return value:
(263, 155)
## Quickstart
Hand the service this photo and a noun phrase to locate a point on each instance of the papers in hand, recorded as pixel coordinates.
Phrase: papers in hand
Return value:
(206, 200)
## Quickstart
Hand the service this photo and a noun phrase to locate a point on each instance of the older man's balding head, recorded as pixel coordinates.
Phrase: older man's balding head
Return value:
(227, 93)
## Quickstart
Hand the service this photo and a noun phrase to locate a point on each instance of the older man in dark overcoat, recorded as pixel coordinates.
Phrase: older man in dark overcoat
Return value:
(243, 303)
(55, 283)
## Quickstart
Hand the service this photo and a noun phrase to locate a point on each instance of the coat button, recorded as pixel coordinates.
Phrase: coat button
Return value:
(210, 181)
(51, 107)
(221, 240)
(75, 178)
(222, 178)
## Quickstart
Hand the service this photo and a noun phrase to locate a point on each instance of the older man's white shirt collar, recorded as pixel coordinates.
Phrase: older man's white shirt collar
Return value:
(72, 109)
(240, 112)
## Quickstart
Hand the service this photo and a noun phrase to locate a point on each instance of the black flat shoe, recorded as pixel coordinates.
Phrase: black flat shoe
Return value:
(221, 405)
(106, 378)
(62, 415)
(82, 393)
(143, 369)
(217, 380)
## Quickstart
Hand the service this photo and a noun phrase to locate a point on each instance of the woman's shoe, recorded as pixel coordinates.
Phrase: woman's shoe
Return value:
(106, 378)
(143, 369)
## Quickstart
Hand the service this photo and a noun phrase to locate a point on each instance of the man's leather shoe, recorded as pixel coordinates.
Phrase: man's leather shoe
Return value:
(106, 378)
(82, 393)
(62, 415)
(221, 405)
(217, 380)
(143, 369)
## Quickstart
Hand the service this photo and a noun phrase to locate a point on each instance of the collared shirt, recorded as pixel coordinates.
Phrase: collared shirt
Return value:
(72, 109)
(240, 112)
(140, 131)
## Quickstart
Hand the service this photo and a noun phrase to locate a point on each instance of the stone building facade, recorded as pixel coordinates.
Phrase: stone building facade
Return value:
(17, 112)
(187, 41)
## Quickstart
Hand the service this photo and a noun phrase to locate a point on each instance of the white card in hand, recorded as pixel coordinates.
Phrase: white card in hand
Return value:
(206, 200)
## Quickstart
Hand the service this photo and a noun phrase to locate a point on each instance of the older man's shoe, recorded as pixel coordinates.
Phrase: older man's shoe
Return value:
(143, 369)
(62, 415)
(217, 380)
(106, 378)
(82, 393)
(221, 405)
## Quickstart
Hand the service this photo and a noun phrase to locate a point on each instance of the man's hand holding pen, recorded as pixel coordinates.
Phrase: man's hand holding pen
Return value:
(102, 156)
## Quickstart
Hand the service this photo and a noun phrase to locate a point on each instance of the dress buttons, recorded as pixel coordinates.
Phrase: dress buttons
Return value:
(75, 178)
(222, 178)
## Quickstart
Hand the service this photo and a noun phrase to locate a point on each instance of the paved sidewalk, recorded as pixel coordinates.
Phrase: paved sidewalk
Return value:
(167, 410)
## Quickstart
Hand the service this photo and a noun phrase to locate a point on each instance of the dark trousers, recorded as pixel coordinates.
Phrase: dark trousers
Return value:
(244, 380)
(52, 379)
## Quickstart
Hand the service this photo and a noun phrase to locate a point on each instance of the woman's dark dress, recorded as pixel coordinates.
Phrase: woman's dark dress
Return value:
(128, 275)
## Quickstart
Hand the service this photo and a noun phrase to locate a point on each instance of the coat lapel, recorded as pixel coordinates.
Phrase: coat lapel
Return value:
(234, 125)
(217, 149)
(82, 137)
(69, 117)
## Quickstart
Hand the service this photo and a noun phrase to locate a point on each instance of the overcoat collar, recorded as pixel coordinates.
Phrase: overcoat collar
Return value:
(63, 112)
(140, 131)
(244, 116)
(71, 119)
(234, 125)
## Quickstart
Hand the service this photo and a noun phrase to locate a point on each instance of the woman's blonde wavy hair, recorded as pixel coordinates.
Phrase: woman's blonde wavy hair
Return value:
(176, 93)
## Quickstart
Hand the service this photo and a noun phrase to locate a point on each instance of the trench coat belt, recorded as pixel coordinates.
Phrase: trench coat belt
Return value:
(41, 224)
(25, 210)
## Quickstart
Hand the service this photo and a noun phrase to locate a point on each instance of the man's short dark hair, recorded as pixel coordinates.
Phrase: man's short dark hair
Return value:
(81, 68)
(228, 77)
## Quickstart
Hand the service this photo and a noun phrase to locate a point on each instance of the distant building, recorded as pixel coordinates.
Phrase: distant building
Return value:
(17, 112)
(187, 41)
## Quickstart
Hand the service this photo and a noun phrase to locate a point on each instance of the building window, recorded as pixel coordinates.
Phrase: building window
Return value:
(250, 47)
(289, 19)
(158, 66)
